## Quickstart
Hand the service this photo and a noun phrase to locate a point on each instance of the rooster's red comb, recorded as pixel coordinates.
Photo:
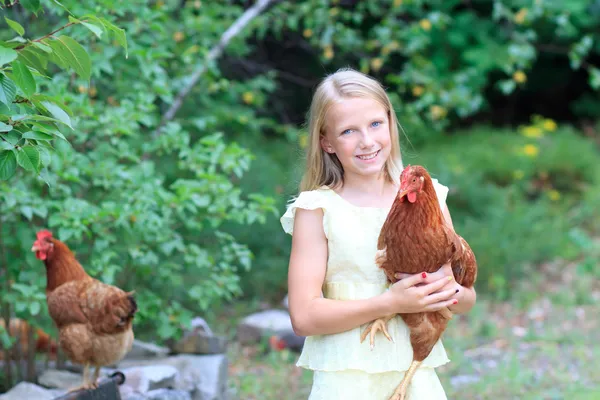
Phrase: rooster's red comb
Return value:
(44, 233)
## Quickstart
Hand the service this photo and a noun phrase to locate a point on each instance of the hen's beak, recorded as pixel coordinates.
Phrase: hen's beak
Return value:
(402, 193)
(35, 248)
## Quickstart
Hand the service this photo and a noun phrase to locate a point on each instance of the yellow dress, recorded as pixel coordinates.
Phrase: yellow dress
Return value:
(343, 367)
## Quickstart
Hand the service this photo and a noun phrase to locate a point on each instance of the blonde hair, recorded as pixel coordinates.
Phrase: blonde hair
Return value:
(324, 169)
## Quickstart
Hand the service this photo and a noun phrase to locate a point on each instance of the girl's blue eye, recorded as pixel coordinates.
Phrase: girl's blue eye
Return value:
(346, 131)
(376, 124)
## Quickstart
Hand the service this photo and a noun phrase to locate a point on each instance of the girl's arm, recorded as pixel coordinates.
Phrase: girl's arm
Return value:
(312, 314)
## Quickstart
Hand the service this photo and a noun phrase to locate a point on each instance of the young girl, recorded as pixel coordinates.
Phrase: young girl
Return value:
(335, 287)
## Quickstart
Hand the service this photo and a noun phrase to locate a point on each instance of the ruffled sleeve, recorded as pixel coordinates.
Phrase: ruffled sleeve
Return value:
(441, 191)
(309, 200)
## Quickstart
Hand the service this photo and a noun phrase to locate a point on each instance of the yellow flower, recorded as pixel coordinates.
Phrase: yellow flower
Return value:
(519, 77)
(394, 45)
(521, 15)
(425, 24)
(248, 97)
(243, 119)
(334, 11)
(554, 194)
(549, 125)
(303, 141)
(532, 132)
(197, 4)
(518, 174)
(328, 53)
(92, 91)
(307, 33)
(397, 3)
(417, 91)
(376, 64)
(178, 36)
(531, 150)
(438, 112)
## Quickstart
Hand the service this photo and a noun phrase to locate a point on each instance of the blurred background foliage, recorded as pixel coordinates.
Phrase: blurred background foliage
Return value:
(498, 99)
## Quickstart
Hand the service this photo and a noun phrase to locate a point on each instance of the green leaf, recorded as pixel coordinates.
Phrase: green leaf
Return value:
(58, 113)
(27, 212)
(23, 78)
(8, 90)
(4, 145)
(15, 26)
(33, 59)
(13, 137)
(594, 78)
(46, 155)
(42, 47)
(72, 54)
(95, 29)
(35, 135)
(5, 127)
(31, 5)
(8, 165)
(7, 55)
(119, 34)
(29, 158)
(34, 308)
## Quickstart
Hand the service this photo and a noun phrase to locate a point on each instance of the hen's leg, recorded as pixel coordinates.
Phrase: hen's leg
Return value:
(377, 325)
(94, 381)
(86, 378)
(400, 392)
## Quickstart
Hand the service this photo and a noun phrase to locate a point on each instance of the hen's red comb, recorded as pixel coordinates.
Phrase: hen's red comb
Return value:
(404, 172)
(44, 233)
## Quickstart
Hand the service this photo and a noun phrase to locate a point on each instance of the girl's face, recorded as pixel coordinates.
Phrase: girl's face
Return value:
(358, 132)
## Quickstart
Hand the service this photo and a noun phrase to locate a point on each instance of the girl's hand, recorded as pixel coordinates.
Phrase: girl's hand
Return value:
(445, 271)
(413, 294)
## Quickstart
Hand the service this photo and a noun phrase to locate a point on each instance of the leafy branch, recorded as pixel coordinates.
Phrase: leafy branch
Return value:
(212, 55)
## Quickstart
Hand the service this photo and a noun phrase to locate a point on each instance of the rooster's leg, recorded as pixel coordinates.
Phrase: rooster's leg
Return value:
(86, 378)
(377, 325)
(400, 392)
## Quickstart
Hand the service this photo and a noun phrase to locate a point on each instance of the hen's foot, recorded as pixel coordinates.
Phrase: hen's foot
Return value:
(84, 386)
(374, 327)
(87, 383)
(400, 392)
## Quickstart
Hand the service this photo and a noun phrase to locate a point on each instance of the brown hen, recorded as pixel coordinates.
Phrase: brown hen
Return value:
(415, 238)
(94, 319)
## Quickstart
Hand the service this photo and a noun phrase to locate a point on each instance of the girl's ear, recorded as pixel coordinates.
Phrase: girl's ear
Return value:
(326, 146)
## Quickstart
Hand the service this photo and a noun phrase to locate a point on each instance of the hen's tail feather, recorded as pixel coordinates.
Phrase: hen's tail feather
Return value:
(134, 306)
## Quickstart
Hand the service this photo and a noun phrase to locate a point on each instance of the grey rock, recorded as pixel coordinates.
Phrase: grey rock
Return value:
(262, 324)
(146, 350)
(165, 394)
(27, 390)
(53, 378)
(200, 343)
(205, 376)
(200, 323)
(285, 302)
(143, 379)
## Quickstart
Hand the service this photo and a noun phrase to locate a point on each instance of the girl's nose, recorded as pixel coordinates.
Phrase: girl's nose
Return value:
(366, 140)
